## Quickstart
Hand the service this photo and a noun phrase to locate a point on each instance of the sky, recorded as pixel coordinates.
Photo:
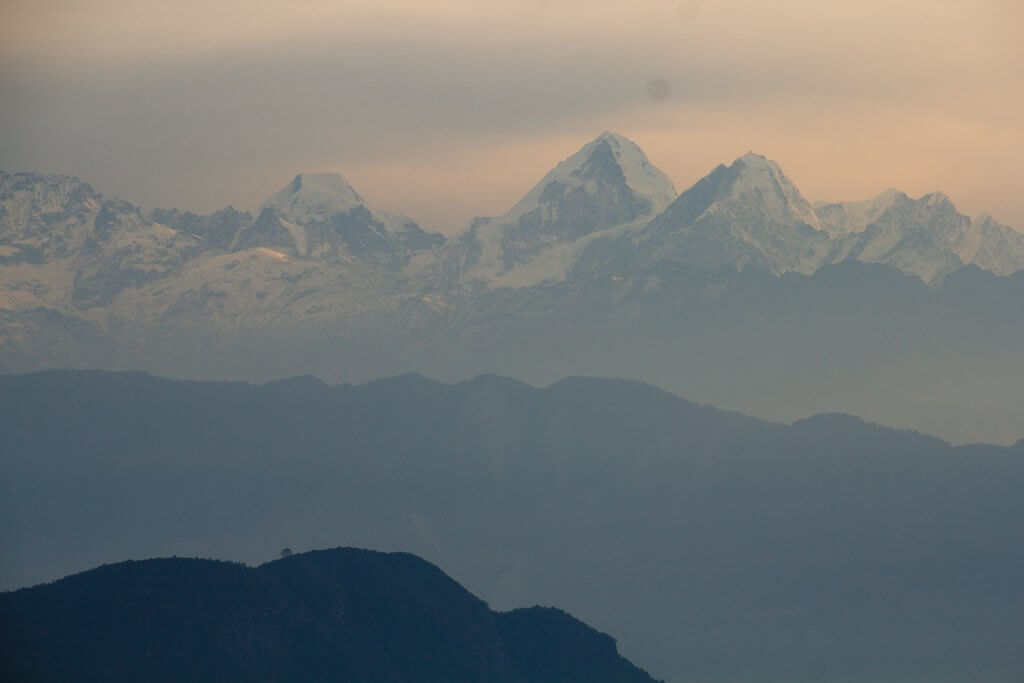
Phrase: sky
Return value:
(449, 109)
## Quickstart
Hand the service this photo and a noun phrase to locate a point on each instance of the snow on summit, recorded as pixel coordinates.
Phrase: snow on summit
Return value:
(605, 160)
(321, 215)
(314, 197)
(926, 237)
(603, 214)
(761, 174)
(745, 214)
(609, 182)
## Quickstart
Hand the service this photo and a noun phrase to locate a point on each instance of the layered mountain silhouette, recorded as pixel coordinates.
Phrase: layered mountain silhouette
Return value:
(330, 615)
(737, 291)
(715, 546)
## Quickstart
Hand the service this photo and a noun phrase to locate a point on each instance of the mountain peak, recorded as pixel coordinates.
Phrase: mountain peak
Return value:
(763, 176)
(612, 136)
(314, 197)
(322, 214)
(753, 158)
(752, 162)
(937, 199)
(626, 151)
(745, 214)
(927, 237)
(607, 183)
(752, 179)
(321, 182)
(609, 162)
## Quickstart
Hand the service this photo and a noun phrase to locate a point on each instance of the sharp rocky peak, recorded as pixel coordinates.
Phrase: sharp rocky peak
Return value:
(607, 183)
(610, 163)
(321, 183)
(752, 182)
(938, 199)
(763, 176)
(322, 215)
(314, 197)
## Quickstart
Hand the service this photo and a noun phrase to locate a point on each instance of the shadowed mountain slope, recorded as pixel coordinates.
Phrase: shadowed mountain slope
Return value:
(329, 615)
(715, 547)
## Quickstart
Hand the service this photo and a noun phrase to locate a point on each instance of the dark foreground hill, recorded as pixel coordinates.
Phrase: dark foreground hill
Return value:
(716, 547)
(329, 615)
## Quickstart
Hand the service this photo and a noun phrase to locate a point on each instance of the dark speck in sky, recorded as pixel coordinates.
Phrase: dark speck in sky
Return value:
(658, 89)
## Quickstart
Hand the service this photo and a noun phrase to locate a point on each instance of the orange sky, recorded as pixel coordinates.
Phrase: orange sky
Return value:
(445, 110)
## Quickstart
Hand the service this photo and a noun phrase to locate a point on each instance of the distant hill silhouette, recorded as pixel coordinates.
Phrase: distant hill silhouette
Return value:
(329, 615)
(716, 547)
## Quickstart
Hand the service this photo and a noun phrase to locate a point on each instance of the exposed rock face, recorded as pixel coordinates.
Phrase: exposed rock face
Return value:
(608, 183)
(218, 228)
(77, 248)
(748, 213)
(320, 215)
(926, 237)
(43, 217)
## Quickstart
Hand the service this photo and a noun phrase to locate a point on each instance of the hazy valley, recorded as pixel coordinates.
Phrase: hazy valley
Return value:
(712, 545)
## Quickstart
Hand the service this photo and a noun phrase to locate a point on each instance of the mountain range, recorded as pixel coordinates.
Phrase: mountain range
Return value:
(714, 546)
(330, 615)
(600, 269)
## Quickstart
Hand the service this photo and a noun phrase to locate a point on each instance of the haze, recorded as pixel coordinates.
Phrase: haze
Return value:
(451, 109)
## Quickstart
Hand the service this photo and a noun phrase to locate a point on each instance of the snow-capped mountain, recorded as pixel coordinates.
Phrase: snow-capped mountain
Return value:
(218, 228)
(124, 250)
(926, 237)
(43, 217)
(608, 183)
(64, 244)
(747, 213)
(77, 266)
(316, 261)
(600, 269)
(320, 215)
(993, 246)
(605, 211)
(751, 214)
